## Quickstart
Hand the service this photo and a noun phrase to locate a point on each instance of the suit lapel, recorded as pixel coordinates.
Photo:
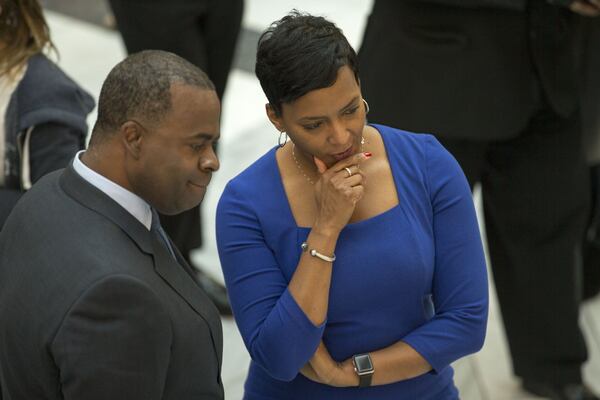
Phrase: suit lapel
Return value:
(178, 276)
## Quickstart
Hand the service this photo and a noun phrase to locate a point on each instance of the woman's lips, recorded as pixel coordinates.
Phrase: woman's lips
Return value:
(344, 154)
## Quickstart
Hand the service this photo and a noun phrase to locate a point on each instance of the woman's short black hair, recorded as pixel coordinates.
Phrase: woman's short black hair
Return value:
(300, 53)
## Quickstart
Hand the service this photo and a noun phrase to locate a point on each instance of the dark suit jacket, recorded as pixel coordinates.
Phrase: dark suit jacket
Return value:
(92, 306)
(590, 89)
(468, 71)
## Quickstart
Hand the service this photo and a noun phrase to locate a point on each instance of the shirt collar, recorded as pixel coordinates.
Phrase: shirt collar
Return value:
(131, 202)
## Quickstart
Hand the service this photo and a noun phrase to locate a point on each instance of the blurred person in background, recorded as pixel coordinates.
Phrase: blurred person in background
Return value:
(496, 81)
(590, 112)
(42, 111)
(205, 33)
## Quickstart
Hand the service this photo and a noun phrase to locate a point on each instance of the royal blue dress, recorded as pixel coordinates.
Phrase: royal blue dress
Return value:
(414, 273)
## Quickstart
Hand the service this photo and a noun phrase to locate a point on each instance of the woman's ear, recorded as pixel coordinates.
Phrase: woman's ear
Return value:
(132, 137)
(274, 118)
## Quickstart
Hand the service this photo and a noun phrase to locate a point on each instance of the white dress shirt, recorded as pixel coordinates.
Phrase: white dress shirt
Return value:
(131, 202)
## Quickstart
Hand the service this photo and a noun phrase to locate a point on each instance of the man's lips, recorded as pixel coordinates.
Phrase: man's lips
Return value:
(198, 185)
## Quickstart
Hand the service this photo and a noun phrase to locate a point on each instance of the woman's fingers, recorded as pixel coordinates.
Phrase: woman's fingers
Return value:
(352, 161)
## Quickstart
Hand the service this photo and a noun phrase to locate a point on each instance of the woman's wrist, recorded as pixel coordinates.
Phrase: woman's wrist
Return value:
(325, 232)
(350, 376)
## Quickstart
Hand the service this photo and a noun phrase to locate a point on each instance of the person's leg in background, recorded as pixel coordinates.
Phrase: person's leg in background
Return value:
(205, 33)
(590, 112)
(534, 190)
(536, 201)
(591, 240)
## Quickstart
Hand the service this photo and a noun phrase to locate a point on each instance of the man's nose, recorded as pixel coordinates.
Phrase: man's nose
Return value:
(209, 160)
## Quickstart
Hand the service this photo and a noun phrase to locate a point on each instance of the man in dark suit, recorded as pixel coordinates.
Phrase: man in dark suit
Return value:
(95, 301)
(205, 33)
(495, 80)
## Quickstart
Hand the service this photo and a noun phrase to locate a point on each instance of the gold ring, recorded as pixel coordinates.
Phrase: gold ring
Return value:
(349, 171)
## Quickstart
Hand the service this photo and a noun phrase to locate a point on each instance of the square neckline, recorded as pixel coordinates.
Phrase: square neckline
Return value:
(288, 208)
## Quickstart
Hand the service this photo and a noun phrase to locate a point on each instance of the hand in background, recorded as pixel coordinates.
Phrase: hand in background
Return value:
(587, 8)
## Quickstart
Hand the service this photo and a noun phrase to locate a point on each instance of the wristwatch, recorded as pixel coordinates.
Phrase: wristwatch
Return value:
(364, 369)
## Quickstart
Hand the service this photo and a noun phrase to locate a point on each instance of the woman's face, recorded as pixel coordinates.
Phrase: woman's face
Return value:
(326, 123)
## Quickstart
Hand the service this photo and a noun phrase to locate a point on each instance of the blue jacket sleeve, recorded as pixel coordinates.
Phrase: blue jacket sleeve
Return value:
(460, 288)
(277, 333)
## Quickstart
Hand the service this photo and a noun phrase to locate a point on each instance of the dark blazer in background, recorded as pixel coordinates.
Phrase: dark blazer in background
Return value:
(430, 66)
(590, 88)
(92, 306)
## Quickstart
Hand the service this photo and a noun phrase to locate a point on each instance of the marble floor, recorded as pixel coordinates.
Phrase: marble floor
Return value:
(88, 51)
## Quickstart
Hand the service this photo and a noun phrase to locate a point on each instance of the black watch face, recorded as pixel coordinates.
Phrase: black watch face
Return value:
(363, 363)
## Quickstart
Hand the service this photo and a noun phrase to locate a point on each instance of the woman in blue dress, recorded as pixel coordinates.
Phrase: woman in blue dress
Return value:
(351, 253)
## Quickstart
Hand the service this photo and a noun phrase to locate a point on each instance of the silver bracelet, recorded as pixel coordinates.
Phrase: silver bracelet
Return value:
(314, 253)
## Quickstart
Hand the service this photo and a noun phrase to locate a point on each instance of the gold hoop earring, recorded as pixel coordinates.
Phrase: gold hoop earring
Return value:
(283, 138)
(366, 106)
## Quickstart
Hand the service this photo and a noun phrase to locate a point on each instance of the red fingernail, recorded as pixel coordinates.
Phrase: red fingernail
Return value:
(367, 154)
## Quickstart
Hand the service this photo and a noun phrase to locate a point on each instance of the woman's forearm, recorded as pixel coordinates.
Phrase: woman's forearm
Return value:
(396, 363)
(311, 281)
(392, 364)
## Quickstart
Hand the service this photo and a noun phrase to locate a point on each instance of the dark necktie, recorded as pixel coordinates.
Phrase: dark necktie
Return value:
(157, 230)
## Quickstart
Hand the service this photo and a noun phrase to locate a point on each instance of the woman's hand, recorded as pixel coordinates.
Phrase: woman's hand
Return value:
(323, 369)
(340, 375)
(338, 190)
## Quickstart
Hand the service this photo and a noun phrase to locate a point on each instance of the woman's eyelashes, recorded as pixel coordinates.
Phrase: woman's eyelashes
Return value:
(313, 126)
(351, 111)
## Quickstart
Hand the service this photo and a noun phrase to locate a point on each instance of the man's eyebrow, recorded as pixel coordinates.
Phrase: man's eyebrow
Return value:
(324, 117)
(205, 136)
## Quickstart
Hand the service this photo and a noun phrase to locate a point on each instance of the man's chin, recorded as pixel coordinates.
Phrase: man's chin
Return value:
(180, 208)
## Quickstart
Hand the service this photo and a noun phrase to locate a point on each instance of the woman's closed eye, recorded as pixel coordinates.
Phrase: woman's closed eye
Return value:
(313, 126)
(351, 111)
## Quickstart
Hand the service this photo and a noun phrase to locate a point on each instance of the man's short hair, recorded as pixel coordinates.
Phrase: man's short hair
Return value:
(139, 88)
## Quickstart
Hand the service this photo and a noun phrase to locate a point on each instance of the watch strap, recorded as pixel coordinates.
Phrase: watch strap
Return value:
(365, 380)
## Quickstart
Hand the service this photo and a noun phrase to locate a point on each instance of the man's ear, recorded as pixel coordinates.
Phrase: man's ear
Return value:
(132, 135)
(274, 118)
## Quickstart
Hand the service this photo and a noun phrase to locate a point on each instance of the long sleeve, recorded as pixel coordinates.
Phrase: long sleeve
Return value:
(278, 335)
(53, 146)
(114, 343)
(460, 290)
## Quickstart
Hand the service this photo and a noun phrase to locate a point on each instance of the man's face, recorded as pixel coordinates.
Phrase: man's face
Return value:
(177, 156)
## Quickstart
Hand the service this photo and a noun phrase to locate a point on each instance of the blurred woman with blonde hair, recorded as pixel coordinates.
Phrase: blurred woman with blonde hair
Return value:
(42, 111)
